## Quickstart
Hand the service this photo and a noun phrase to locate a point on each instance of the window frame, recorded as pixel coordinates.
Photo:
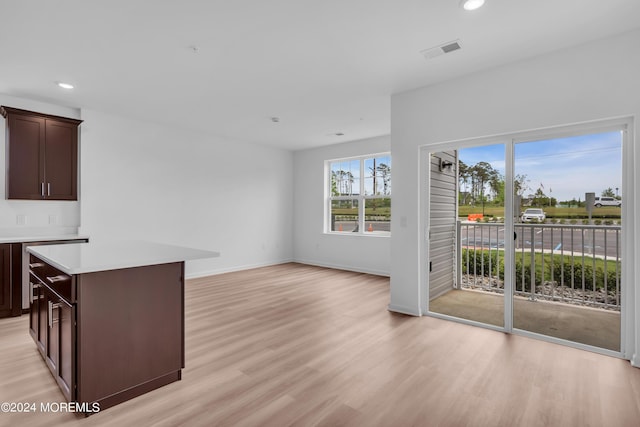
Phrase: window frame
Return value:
(361, 197)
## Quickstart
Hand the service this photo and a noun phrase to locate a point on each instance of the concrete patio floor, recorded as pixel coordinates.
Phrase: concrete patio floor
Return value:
(591, 326)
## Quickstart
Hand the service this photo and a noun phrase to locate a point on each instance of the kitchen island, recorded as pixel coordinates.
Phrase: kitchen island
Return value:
(108, 318)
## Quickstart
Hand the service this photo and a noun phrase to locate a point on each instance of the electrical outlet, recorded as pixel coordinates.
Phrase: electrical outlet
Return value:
(21, 219)
(53, 219)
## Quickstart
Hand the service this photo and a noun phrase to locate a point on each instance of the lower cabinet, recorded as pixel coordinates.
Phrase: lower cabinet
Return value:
(37, 318)
(52, 321)
(60, 351)
(10, 295)
(96, 356)
(5, 278)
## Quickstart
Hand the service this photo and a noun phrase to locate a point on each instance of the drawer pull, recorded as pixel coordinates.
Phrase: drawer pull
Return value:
(55, 279)
(34, 286)
(52, 307)
(36, 265)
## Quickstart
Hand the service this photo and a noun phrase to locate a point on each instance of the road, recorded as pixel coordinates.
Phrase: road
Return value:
(349, 226)
(599, 241)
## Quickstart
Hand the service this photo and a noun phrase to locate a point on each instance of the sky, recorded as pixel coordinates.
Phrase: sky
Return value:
(566, 168)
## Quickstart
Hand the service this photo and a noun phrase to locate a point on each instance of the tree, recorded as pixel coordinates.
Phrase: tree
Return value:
(521, 184)
(344, 183)
(540, 199)
(384, 171)
(482, 173)
(334, 184)
(464, 173)
(608, 192)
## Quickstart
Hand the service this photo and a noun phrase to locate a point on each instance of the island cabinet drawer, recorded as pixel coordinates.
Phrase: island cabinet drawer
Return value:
(59, 282)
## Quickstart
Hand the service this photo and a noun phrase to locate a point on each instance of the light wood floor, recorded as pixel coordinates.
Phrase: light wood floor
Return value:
(301, 345)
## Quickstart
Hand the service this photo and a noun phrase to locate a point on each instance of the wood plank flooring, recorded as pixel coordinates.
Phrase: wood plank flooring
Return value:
(302, 345)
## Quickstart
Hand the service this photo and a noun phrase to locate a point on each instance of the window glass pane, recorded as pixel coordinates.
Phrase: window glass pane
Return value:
(354, 171)
(377, 176)
(334, 169)
(344, 215)
(383, 171)
(345, 178)
(377, 215)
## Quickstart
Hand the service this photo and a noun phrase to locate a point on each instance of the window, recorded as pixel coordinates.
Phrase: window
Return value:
(359, 191)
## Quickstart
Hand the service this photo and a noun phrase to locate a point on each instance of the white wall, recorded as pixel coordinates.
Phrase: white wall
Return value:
(591, 82)
(146, 181)
(370, 254)
(41, 217)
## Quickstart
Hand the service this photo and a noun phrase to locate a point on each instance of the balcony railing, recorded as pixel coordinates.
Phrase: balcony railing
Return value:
(574, 264)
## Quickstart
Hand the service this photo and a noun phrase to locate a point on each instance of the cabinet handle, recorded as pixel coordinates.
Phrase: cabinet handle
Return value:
(52, 307)
(54, 279)
(48, 189)
(35, 265)
(33, 286)
(42, 189)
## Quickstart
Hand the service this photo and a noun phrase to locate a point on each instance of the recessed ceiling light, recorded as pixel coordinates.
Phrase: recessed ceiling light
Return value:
(65, 85)
(471, 4)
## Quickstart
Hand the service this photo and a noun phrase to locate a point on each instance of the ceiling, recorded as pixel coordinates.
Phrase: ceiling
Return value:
(228, 67)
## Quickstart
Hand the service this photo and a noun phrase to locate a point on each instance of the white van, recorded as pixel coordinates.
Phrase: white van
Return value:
(606, 201)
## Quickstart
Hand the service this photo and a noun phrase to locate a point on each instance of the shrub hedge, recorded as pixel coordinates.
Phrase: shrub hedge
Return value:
(489, 263)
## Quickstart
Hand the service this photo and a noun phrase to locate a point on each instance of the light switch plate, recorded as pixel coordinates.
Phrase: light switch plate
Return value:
(21, 219)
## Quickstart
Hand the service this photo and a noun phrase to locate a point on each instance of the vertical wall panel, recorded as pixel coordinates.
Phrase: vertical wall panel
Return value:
(442, 221)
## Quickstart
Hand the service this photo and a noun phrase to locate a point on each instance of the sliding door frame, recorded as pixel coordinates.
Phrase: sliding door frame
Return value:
(630, 246)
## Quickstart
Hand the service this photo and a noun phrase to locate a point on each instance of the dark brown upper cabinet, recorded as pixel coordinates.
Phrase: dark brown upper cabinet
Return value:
(42, 155)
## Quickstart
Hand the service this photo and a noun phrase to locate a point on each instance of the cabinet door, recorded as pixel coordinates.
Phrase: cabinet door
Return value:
(25, 168)
(5, 279)
(61, 160)
(53, 335)
(34, 300)
(43, 320)
(59, 346)
(66, 353)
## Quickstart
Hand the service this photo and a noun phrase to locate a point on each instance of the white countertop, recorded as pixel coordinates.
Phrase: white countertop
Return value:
(78, 258)
(28, 239)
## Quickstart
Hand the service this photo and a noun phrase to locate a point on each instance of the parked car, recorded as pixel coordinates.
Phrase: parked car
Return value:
(606, 201)
(533, 215)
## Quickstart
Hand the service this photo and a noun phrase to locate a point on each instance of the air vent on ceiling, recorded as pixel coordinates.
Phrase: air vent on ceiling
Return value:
(441, 50)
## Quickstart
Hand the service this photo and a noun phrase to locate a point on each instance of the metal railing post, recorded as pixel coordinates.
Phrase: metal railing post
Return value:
(458, 283)
(532, 267)
(582, 259)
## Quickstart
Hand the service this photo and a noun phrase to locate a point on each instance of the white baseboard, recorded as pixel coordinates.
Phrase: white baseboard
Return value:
(217, 271)
(343, 267)
(411, 311)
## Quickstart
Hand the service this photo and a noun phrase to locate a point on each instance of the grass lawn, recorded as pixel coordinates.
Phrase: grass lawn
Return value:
(552, 212)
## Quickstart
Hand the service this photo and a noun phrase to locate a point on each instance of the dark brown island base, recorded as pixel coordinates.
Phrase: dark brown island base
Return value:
(108, 322)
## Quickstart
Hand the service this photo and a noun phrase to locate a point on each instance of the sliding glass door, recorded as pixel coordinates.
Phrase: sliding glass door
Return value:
(567, 254)
(527, 234)
(472, 220)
